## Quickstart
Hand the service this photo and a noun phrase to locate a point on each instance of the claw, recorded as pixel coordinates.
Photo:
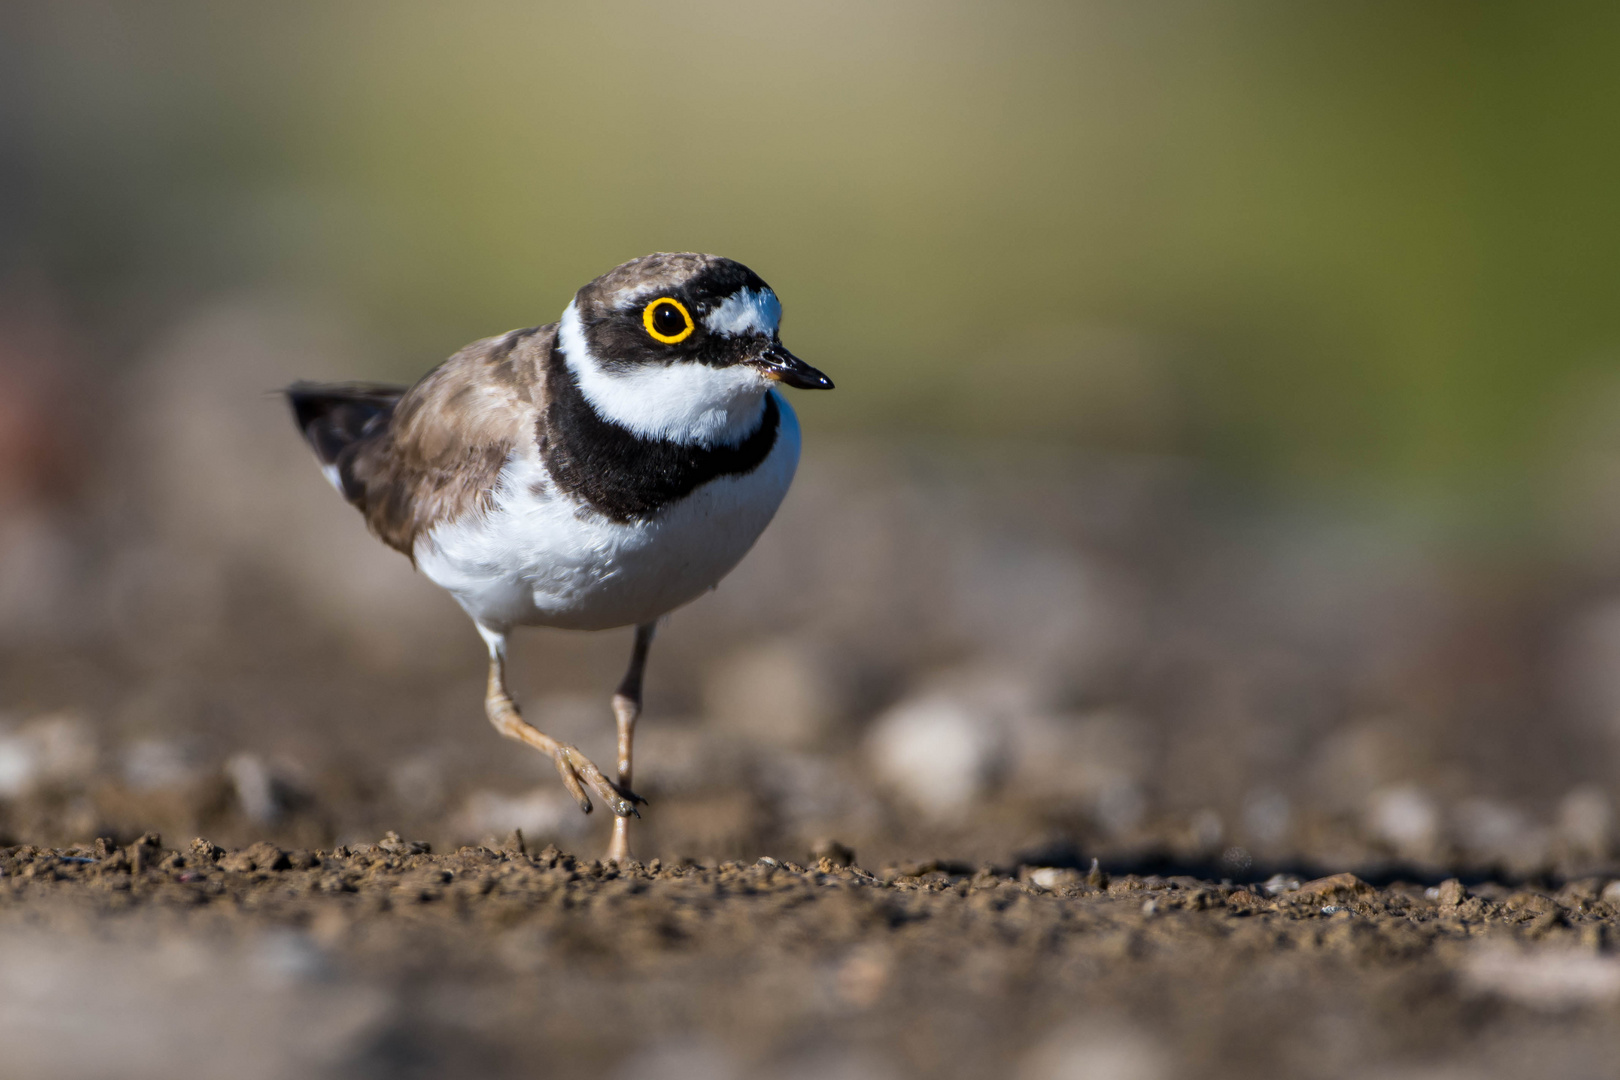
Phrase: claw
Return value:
(578, 771)
(620, 799)
(627, 799)
(570, 779)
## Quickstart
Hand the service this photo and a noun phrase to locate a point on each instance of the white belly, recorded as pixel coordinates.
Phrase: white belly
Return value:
(540, 558)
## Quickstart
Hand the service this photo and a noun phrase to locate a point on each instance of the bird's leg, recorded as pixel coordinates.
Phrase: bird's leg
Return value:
(576, 769)
(626, 708)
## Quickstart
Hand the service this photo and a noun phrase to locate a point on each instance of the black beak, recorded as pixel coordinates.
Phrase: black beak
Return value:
(784, 367)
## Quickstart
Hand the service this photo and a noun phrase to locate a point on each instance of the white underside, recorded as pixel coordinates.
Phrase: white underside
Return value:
(540, 558)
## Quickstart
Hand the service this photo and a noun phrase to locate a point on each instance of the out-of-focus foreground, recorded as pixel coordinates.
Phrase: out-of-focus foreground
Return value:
(1222, 479)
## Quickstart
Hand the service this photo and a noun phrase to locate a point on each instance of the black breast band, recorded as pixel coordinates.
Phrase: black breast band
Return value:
(618, 473)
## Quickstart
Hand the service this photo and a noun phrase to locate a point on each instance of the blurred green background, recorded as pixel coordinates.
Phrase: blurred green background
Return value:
(1369, 246)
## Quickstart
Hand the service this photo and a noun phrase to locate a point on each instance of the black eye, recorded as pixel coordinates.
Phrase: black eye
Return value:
(667, 320)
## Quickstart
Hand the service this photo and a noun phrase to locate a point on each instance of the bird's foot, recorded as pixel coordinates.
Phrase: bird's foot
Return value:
(578, 772)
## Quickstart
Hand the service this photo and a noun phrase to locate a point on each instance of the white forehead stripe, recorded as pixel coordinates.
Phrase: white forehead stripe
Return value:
(746, 311)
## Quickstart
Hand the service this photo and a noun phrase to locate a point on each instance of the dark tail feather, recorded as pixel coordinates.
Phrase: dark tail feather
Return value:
(336, 418)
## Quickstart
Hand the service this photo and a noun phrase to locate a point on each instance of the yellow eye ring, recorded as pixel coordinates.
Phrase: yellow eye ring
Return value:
(652, 309)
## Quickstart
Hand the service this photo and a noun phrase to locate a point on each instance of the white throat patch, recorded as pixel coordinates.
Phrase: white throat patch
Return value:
(681, 402)
(746, 311)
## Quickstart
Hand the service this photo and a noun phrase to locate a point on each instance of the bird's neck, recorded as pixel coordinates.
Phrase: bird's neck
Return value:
(628, 477)
(688, 403)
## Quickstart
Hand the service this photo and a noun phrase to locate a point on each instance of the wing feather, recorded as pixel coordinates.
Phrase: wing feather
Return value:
(409, 460)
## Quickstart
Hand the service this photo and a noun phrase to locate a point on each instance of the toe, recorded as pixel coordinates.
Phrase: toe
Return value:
(622, 801)
(626, 801)
(571, 780)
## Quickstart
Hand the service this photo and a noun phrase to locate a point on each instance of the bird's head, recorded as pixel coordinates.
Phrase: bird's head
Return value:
(681, 347)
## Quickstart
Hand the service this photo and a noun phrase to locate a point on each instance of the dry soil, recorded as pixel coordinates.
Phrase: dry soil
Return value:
(392, 960)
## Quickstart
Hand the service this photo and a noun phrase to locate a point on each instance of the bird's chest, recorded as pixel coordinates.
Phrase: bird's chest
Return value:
(541, 556)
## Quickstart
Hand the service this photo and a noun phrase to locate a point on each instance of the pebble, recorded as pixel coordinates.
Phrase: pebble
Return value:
(940, 753)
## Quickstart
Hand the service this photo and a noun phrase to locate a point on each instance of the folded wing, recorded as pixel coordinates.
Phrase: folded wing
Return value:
(409, 459)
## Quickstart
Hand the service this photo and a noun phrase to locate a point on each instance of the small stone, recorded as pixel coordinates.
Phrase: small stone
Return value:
(1052, 878)
(831, 851)
(1530, 902)
(1243, 902)
(50, 749)
(1337, 886)
(1278, 884)
(394, 844)
(261, 856)
(1126, 885)
(940, 752)
(206, 850)
(1406, 818)
(1096, 878)
(1450, 893)
(144, 851)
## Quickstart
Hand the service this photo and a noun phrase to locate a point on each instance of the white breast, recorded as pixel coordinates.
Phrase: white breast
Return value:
(540, 558)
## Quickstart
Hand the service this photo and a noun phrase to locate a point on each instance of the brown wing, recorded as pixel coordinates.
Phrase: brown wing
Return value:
(440, 454)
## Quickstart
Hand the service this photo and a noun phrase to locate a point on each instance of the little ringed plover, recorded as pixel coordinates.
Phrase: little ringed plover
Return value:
(596, 472)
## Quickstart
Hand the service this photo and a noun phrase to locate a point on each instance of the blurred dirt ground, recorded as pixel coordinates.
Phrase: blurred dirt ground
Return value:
(386, 960)
(996, 659)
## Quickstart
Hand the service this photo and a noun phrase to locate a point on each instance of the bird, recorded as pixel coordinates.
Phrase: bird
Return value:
(596, 472)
